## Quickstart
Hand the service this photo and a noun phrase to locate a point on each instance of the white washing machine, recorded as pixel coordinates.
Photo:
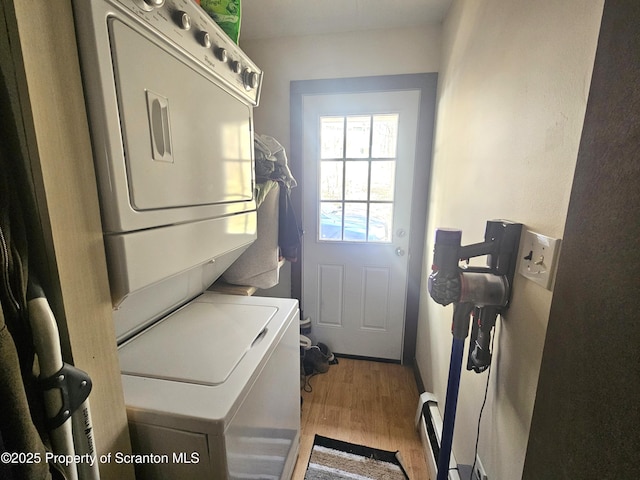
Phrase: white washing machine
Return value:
(209, 391)
(211, 381)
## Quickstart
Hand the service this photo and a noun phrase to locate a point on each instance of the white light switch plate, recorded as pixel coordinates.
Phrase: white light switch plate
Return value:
(538, 258)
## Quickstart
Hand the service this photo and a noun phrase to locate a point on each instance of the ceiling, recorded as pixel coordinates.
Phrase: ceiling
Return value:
(281, 18)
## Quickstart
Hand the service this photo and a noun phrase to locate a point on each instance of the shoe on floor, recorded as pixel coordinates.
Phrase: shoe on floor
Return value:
(327, 353)
(315, 360)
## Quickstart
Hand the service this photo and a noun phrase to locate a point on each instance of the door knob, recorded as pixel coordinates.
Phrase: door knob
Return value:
(400, 251)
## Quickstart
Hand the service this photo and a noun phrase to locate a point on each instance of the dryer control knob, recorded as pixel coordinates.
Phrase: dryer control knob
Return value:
(250, 79)
(205, 39)
(184, 20)
(154, 3)
(236, 66)
(221, 53)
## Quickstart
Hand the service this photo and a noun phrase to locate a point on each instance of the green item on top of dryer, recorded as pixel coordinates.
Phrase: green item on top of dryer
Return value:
(225, 13)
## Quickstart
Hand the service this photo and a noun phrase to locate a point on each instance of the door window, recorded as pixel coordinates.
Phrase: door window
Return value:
(357, 177)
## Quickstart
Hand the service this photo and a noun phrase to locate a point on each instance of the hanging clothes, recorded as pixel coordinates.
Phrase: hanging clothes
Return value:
(21, 400)
(272, 164)
(289, 230)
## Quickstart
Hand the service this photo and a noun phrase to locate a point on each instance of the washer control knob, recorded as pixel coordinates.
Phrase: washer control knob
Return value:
(236, 66)
(205, 39)
(184, 20)
(250, 79)
(221, 53)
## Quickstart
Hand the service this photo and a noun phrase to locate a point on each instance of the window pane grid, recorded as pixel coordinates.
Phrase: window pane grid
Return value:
(357, 177)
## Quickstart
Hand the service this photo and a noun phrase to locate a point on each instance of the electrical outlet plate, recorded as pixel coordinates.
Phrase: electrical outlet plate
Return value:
(538, 257)
(478, 470)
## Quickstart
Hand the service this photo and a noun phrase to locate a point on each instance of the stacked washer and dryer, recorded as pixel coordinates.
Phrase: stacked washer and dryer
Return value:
(210, 380)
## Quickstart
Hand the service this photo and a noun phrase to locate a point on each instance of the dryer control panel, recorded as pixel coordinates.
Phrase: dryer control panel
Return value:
(194, 32)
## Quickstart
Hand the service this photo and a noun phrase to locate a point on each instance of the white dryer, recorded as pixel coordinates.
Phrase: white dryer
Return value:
(211, 381)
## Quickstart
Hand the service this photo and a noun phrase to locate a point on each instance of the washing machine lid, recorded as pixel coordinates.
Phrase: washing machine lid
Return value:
(201, 343)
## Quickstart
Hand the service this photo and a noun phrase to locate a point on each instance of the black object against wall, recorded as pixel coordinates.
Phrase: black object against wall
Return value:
(586, 419)
(485, 291)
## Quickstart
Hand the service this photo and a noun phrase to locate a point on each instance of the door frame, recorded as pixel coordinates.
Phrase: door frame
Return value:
(426, 83)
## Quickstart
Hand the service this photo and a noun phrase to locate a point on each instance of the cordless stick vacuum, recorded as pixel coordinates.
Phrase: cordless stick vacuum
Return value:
(481, 292)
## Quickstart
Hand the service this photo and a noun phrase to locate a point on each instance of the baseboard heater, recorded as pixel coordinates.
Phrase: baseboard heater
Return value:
(429, 425)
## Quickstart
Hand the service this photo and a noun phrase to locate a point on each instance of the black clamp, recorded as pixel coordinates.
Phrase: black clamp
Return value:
(75, 387)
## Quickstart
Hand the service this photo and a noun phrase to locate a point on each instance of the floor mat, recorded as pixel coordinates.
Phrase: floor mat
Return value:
(337, 460)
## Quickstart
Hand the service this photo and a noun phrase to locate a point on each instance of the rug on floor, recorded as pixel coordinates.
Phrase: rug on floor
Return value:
(336, 460)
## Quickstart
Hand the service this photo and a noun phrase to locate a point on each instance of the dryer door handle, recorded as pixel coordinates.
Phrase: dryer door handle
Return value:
(158, 110)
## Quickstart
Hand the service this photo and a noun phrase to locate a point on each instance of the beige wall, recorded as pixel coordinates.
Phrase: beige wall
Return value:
(354, 54)
(513, 89)
(357, 54)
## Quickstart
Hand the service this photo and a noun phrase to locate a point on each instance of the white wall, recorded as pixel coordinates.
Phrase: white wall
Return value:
(357, 54)
(513, 89)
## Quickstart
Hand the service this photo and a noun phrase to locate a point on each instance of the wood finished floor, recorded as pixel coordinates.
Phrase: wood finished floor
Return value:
(367, 403)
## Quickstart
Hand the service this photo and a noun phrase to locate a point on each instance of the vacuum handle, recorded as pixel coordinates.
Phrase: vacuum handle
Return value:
(461, 314)
(446, 251)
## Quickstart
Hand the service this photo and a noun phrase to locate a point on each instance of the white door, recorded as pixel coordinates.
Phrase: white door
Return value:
(358, 153)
